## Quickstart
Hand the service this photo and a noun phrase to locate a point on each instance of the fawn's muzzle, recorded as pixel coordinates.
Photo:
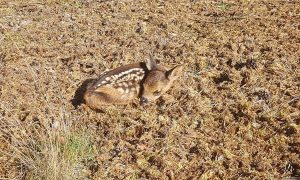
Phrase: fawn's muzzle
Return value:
(144, 101)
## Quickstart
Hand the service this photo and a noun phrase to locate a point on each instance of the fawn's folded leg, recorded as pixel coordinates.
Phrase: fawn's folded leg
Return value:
(96, 100)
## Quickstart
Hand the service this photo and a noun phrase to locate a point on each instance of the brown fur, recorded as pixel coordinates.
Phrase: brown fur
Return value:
(106, 90)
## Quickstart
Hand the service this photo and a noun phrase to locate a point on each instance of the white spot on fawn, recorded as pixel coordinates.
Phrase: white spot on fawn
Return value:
(124, 78)
(126, 90)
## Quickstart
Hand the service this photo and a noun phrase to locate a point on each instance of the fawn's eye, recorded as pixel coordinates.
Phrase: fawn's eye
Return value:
(156, 93)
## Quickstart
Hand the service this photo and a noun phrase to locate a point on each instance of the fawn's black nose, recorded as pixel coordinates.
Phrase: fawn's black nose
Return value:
(144, 101)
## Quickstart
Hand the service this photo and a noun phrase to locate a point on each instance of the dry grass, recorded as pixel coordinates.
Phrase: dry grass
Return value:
(37, 152)
(46, 148)
(234, 113)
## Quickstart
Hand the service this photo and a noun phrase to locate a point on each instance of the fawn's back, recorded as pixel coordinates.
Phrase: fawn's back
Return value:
(146, 81)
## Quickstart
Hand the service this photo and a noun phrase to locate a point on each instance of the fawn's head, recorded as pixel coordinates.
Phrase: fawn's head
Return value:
(158, 80)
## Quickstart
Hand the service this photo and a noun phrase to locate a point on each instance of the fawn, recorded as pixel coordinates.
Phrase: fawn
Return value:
(147, 81)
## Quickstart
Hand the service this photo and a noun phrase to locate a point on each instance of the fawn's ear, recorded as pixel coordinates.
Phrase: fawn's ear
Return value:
(151, 64)
(174, 73)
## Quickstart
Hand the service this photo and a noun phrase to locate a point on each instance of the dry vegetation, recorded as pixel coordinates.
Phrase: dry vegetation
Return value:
(234, 113)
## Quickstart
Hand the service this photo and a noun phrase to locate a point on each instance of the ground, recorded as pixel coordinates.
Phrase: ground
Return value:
(234, 113)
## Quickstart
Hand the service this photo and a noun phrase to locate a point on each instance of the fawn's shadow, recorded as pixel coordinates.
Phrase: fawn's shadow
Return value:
(78, 96)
